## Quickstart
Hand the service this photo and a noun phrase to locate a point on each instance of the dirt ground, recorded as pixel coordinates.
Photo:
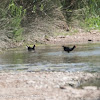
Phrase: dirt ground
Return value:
(80, 37)
(47, 86)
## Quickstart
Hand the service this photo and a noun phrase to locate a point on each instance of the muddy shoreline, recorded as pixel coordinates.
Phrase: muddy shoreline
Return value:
(66, 39)
(47, 86)
(78, 38)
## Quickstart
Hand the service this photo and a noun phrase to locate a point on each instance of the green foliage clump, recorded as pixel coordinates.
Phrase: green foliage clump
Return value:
(93, 22)
(92, 14)
(16, 14)
(86, 10)
(16, 10)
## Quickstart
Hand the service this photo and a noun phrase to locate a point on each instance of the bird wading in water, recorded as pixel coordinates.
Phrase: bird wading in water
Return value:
(67, 49)
(31, 48)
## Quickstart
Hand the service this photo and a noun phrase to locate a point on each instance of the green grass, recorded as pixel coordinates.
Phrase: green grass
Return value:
(87, 11)
(93, 22)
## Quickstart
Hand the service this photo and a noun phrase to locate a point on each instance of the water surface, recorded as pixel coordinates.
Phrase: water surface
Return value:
(52, 58)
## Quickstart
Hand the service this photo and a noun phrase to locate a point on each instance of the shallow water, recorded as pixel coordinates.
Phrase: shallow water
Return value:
(93, 82)
(52, 58)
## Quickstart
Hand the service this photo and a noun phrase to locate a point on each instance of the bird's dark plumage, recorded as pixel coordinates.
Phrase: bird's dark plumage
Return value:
(31, 48)
(68, 49)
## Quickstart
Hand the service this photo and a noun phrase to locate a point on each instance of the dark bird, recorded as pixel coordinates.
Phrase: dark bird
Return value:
(31, 48)
(68, 49)
(90, 40)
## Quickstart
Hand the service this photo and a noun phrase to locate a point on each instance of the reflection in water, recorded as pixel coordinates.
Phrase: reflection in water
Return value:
(83, 58)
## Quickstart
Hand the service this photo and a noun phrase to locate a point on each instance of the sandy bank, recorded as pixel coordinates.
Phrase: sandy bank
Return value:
(47, 86)
(81, 37)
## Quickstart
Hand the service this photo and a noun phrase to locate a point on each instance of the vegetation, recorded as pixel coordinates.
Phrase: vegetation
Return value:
(13, 16)
(12, 13)
(16, 14)
(87, 11)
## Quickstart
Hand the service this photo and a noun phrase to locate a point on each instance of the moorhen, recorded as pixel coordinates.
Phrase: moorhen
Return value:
(31, 48)
(68, 49)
